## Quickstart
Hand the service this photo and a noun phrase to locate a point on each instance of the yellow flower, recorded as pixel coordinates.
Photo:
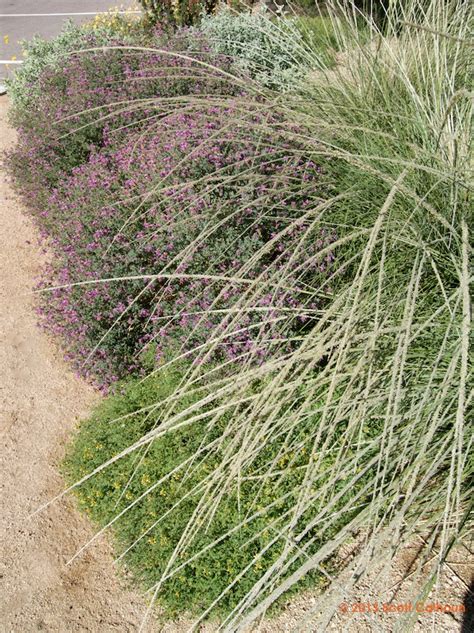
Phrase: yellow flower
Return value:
(6, 39)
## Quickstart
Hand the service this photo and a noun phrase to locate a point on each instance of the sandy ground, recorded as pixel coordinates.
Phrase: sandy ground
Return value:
(40, 403)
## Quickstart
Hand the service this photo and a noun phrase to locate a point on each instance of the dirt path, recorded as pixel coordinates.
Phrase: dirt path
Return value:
(40, 401)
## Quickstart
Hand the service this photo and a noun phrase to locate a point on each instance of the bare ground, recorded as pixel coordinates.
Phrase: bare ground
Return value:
(40, 404)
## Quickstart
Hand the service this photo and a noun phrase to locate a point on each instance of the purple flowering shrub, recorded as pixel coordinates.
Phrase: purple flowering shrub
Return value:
(128, 183)
(94, 92)
(152, 206)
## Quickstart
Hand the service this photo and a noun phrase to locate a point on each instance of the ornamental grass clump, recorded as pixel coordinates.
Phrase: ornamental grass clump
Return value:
(371, 404)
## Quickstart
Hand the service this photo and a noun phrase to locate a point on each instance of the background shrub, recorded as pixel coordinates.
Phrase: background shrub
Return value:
(118, 23)
(273, 51)
(178, 12)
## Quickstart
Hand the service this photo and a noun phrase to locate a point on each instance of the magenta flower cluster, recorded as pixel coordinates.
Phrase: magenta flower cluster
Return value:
(171, 225)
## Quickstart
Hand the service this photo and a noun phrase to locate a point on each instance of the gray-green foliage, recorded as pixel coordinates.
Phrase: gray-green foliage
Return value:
(272, 51)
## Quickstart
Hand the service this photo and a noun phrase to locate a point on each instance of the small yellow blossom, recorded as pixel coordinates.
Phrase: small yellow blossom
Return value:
(145, 480)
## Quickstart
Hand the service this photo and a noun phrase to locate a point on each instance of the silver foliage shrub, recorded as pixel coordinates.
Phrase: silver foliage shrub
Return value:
(270, 50)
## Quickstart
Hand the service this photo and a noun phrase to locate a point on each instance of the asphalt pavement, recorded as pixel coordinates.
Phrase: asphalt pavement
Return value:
(21, 19)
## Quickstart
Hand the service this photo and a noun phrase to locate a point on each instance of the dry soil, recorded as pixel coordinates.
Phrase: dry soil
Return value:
(40, 403)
